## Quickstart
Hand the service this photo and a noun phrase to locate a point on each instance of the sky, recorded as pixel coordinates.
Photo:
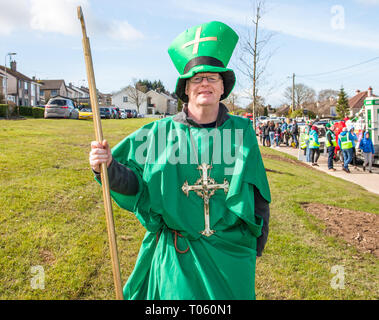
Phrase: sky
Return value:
(326, 44)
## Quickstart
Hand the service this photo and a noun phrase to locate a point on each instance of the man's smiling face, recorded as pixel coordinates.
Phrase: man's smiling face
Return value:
(205, 93)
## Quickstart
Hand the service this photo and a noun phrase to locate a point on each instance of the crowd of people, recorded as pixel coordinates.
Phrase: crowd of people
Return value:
(273, 134)
(307, 138)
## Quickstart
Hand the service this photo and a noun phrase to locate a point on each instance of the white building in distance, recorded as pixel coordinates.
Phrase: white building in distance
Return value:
(130, 98)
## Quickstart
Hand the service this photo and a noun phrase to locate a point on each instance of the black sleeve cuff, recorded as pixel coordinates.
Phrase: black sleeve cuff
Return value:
(121, 178)
(262, 209)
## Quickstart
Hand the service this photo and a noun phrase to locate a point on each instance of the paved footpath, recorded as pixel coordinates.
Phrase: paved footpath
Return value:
(369, 181)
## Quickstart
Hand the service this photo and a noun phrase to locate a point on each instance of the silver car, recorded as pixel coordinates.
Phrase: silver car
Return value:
(61, 108)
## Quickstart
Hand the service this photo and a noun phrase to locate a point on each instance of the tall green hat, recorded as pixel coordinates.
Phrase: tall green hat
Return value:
(204, 48)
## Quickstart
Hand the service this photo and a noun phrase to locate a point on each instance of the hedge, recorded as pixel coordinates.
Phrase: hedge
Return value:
(22, 111)
(38, 112)
(26, 111)
(4, 110)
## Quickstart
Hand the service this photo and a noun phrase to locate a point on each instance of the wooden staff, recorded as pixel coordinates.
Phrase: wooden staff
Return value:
(104, 171)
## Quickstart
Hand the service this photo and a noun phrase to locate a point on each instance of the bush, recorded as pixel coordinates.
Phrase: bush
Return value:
(4, 111)
(38, 112)
(300, 113)
(26, 111)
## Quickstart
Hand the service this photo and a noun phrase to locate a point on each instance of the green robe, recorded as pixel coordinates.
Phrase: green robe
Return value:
(221, 266)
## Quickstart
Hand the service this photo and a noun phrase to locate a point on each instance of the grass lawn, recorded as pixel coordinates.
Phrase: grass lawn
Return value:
(52, 215)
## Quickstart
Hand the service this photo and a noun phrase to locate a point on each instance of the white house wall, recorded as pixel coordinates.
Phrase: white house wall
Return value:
(118, 101)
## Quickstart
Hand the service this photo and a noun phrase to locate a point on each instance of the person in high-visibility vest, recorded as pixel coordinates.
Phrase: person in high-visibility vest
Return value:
(308, 128)
(330, 145)
(345, 142)
(304, 140)
(314, 145)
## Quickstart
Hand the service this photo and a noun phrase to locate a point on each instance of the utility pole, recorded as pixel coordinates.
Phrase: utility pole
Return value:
(293, 92)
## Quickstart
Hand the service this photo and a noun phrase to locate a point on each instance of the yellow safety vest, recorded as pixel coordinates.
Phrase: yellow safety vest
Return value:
(333, 139)
(346, 143)
(303, 139)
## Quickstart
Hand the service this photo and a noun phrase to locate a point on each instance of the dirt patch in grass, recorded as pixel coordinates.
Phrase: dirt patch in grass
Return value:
(281, 158)
(47, 256)
(360, 229)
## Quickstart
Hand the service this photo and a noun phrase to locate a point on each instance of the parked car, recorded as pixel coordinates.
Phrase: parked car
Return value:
(134, 113)
(85, 113)
(129, 113)
(61, 108)
(123, 114)
(106, 113)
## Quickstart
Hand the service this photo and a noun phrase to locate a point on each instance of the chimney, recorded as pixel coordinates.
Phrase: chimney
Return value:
(13, 65)
(369, 92)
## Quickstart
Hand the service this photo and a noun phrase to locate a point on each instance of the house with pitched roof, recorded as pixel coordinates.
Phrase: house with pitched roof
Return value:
(161, 102)
(79, 95)
(357, 102)
(52, 88)
(21, 90)
(2, 83)
(129, 97)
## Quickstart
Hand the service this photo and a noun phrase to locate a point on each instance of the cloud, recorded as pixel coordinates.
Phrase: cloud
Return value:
(13, 15)
(60, 16)
(122, 30)
(56, 15)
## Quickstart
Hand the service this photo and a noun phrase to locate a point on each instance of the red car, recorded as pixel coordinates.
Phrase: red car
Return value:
(129, 113)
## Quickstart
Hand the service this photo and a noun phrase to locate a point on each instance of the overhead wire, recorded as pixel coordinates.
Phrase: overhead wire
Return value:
(340, 69)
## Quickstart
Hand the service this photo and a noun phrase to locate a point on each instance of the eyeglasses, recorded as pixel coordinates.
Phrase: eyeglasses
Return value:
(211, 79)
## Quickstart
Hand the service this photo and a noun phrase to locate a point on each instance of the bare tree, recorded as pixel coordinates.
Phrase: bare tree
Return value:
(231, 102)
(303, 94)
(259, 106)
(254, 56)
(327, 94)
(136, 94)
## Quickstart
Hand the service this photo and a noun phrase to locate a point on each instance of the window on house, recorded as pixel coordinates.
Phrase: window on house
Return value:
(125, 99)
(54, 92)
(41, 92)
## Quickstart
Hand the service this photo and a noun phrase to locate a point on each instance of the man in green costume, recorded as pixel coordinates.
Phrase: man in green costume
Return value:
(195, 181)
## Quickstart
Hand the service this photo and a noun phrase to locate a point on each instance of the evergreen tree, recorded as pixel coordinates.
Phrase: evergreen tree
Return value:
(147, 85)
(180, 105)
(342, 107)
